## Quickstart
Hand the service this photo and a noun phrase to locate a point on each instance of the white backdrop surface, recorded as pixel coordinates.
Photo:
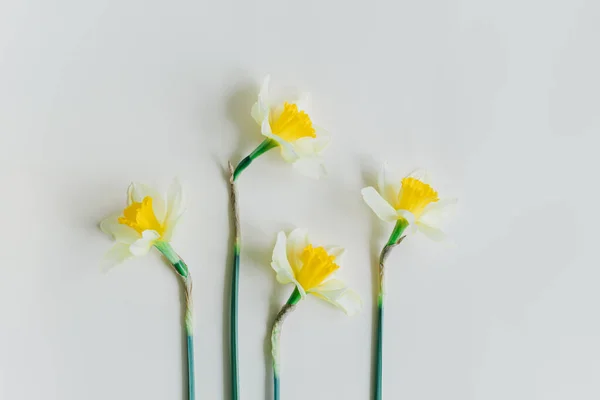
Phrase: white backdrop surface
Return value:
(498, 99)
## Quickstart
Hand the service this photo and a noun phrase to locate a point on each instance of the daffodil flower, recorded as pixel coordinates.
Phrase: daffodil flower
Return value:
(289, 127)
(414, 205)
(312, 270)
(412, 201)
(148, 221)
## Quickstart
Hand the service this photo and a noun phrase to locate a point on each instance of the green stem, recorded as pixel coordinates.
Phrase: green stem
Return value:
(265, 146)
(191, 369)
(276, 334)
(182, 270)
(167, 250)
(262, 148)
(233, 321)
(189, 329)
(394, 240)
(379, 350)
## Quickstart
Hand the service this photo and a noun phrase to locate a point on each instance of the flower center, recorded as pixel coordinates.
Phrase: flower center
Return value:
(140, 216)
(292, 124)
(317, 265)
(415, 196)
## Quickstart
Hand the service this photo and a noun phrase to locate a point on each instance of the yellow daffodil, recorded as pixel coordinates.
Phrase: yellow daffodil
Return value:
(312, 269)
(290, 127)
(412, 199)
(148, 220)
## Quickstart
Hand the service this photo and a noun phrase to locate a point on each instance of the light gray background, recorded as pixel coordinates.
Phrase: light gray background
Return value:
(498, 99)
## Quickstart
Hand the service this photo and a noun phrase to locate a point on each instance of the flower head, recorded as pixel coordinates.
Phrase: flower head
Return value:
(146, 220)
(290, 126)
(312, 269)
(412, 199)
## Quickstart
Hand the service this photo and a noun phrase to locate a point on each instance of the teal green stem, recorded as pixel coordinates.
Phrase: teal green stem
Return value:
(182, 270)
(233, 321)
(275, 386)
(395, 239)
(262, 148)
(191, 369)
(276, 334)
(265, 146)
(379, 350)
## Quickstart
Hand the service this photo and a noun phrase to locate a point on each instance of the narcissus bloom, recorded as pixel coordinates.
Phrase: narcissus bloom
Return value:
(312, 269)
(411, 199)
(291, 128)
(148, 220)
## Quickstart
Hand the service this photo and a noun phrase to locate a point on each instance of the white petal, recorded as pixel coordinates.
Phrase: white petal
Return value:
(310, 167)
(280, 262)
(138, 191)
(334, 287)
(276, 111)
(256, 113)
(170, 229)
(311, 147)
(116, 255)
(321, 142)
(338, 252)
(321, 132)
(304, 102)
(297, 241)
(121, 233)
(389, 185)
(337, 293)
(263, 95)
(350, 302)
(260, 109)
(378, 204)
(142, 246)
(175, 202)
(437, 213)
(433, 233)
(265, 128)
(420, 174)
(304, 147)
(308, 150)
(287, 152)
